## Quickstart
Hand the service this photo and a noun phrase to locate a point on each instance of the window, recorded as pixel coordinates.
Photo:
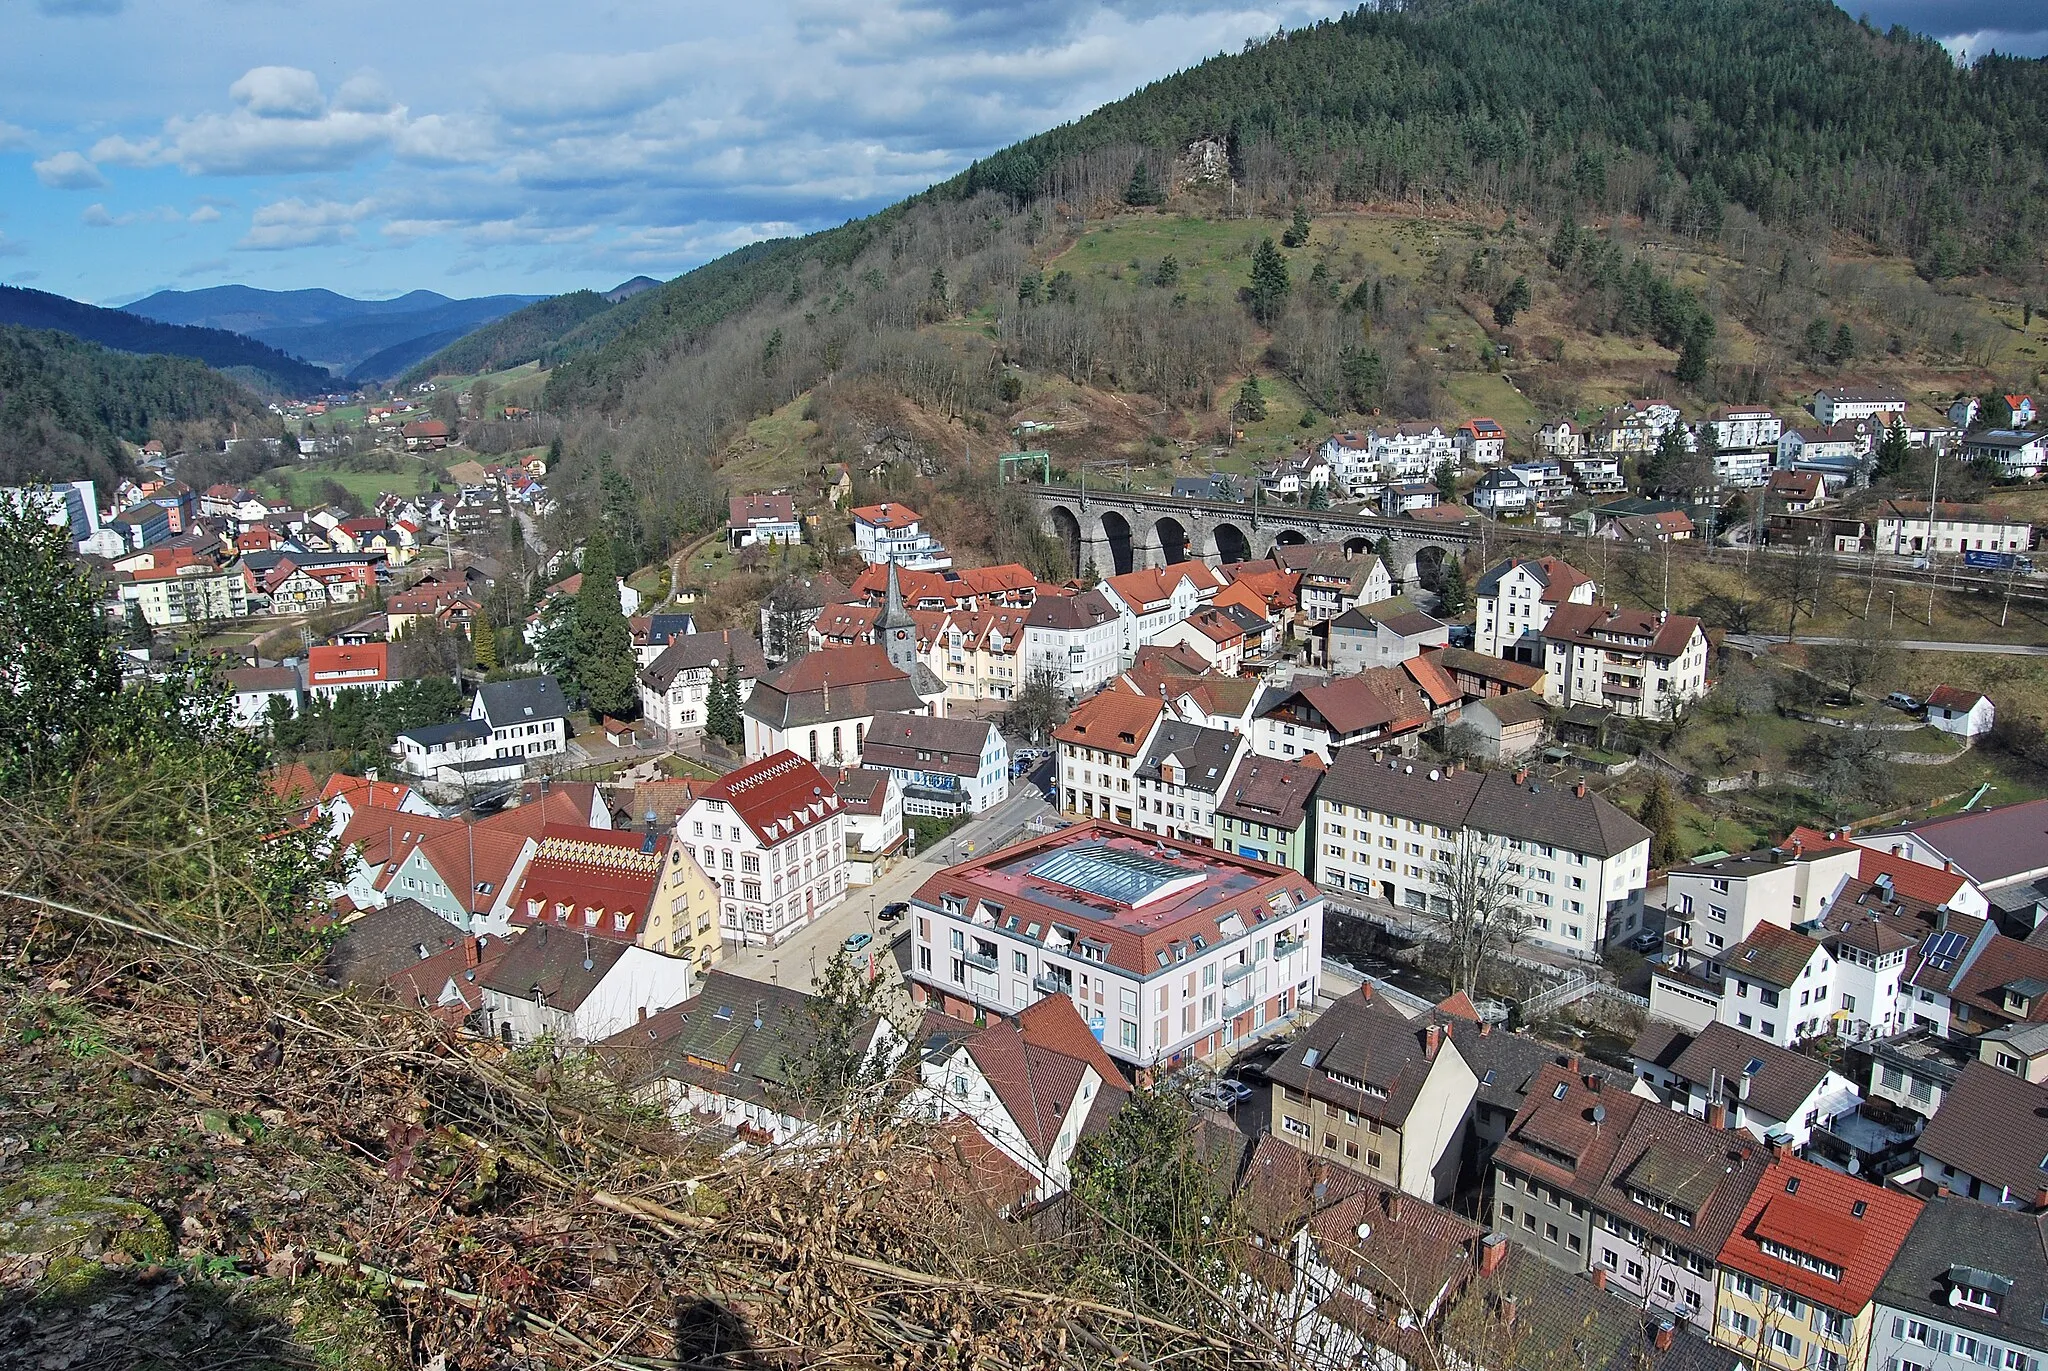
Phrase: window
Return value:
(1785, 1341)
(1289, 1124)
(1970, 1297)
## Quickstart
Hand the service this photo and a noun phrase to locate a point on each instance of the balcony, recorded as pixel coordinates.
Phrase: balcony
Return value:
(1285, 947)
(1233, 974)
(979, 962)
(1045, 983)
(1678, 935)
(1239, 1001)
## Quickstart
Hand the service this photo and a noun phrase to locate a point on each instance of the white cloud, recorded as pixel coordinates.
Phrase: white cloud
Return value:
(115, 150)
(297, 223)
(68, 171)
(205, 214)
(279, 93)
(364, 93)
(96, 216)
(12, 136)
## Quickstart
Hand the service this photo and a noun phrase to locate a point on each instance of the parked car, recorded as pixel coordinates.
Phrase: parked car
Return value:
(856, 941)
(1646, 941)
(1215, 1095)
(893, 911)
(1899, 699)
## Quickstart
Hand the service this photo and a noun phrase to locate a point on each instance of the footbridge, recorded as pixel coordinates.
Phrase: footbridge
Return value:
(1119, 531)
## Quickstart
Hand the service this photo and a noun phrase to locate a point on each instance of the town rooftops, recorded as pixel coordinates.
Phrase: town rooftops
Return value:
(252, 680)
(1066, 613)
(1267, 790)
(1499, 671)
(1993, 1125)
(695, 651)
(777, 795)
(740, 1038)
(1819, 1234)
(886, 515)
(1111, 721)
(1036, 1063)
(863, 790)
(1962, 1256)
(453, 731)
(554, 966)
(1204, 755)
(341, 666)
(1412, 624)
(1737, 866)
(1365, 1055)
(529, 699)
(1113, 894)
(1779, 1086)
(1772, 955)
(1611, 626)
(848, 682)
(1986, 845)
(762, 509)
(599, 881)
(1506, 804)
(920, 742)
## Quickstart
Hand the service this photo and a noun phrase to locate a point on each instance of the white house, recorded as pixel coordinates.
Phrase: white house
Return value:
(459, 752)
(1180, 776)
(772, 835)
(1504, 492)
(1636, 662)
(1904, 529)
(1744, 428)
(889, 533)
(1779, 986)
(1964, 713)
(1837, 403)
(555, 983)
(1482, 442)
(1153, 599)
(1099, 748)
(528, 717)
(1770, 1091)
(1168, 950)
(255, 687)
(1074, 641)
(1382, 826)
(756, 519)
(2023, 456)
(1561, 440)
(675, 688)
(946, 766)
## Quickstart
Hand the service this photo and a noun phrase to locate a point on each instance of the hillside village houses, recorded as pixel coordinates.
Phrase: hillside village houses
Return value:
(1636, 663)
(1833, 404)
(2016, 455)
(1513, 603)
(889, 533)
(675, 688)
(1904, 529)
(772, 834)
(763, 519)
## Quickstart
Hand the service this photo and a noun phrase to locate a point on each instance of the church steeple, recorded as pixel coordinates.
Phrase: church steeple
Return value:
(896, 631)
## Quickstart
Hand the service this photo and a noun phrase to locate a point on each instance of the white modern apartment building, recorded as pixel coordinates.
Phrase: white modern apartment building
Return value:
(1074, 641)
(1904, 529)
(1744, 428)
(1170, 951)
(1639, 663)
(1391, 452)
(1515, 600)
(1383, 825)
(772, 835)
(890, 533)
(1833, 405)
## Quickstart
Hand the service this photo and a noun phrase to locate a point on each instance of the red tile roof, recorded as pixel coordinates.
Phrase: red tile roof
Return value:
(886, 515)
(1953, 698)
(365, 794)
(361, 665)
(598, 881)
(1112, 721)
(1660, 635)
(1911, 879)
(777, 796)
(1846, 1222)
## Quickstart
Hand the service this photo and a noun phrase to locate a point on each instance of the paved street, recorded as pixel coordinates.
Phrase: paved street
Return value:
(1760, 640)
(799, 960)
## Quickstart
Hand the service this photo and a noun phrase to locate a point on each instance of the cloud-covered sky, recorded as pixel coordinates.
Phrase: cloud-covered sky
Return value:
(535, 146)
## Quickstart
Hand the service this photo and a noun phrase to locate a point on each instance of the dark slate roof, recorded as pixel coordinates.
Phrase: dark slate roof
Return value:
(526, 700)
(839, 683)
(1993, 1125)
(1562, 1321)
(919, 742)
(1508, 1064)
(1061, 612)
(757, 1031)
(1360, 1039)
(551, 962)
(1204, 754)
(693, 651)
(385, 941)
(1987, 845)
(1532, 810)
(1779, 1088)
(1771, 954)
(663, 628)
(1515, 707)
(1957, 1241)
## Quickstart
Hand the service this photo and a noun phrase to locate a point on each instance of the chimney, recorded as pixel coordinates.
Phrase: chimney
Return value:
(1432, 1039)
(1593, 1082)
(1665, 1331)
(1599, 1278)
(1365, 990)
(1580, 790)
(1717, 1115)
(472, 950)
(1942, 1189)
(1507, 1310)
(1493, 1250)
(1522, 776)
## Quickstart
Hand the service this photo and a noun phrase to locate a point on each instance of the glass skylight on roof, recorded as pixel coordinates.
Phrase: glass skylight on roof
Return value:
(1120, 874)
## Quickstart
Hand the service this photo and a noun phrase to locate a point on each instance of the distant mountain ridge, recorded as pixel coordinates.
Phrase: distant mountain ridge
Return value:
(364, 340)
(125, 332)
(539, 332)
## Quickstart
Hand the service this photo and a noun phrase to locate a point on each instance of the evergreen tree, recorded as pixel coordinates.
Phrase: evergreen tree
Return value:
(1447, 481)
(1845, 344)
(1297, 232)
(1143, 190)
(1364, 377)
(1251, 401)
(718, 708)
(1692, 359)
(1892, 452)
(1169, 271)
(137, 630)
(1270, 282)
(603, 641)
(1318, 496)
(1452, 597)
(483, 638)
(1512, 303)
(1817, 340)
(1659, 814)
(1993, 412)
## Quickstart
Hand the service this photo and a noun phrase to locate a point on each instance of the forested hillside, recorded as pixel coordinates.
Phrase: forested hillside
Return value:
(125, 332)
(64, 403)
(524, 335)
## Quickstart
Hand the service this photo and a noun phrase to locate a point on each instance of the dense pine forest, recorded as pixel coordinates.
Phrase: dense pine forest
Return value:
(64, 404)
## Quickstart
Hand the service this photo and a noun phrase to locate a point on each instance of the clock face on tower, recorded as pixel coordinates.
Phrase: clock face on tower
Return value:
(901, 634)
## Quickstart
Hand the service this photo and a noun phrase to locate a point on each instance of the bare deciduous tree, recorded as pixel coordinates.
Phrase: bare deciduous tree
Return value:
(1476, 891)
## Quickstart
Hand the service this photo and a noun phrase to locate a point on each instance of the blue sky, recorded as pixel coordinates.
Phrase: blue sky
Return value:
(531, 147)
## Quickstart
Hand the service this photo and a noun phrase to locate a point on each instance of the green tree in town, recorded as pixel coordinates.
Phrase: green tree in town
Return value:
(603, 641)
(836, 1074)
(135, 629)
(1993, 412)
(1447, 481)
(483, 641)
(1318, 495)
(1452, 597)
(1143, 190)
(1892, 452)
(1270, 282)
(1297, 233)
(1692, 358)
(1659, 814)
(1512, 303)
(1251, 401)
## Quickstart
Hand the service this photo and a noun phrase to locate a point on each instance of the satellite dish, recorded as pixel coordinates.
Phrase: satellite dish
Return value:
(1364, 1231)
(1599, 1113)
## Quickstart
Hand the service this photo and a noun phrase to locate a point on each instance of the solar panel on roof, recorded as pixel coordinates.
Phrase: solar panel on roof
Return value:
(1117, 874)
(1946, 946)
